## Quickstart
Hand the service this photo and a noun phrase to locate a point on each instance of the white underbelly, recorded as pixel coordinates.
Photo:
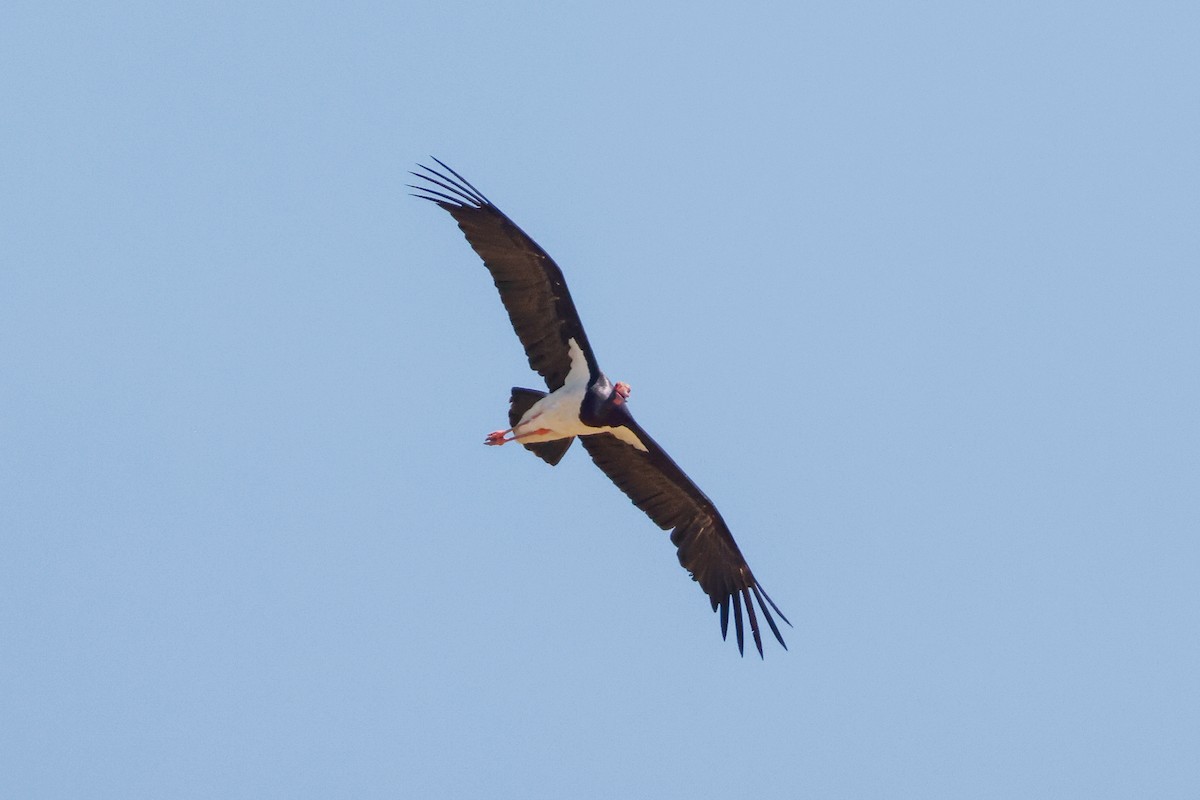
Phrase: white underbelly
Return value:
(557, 414)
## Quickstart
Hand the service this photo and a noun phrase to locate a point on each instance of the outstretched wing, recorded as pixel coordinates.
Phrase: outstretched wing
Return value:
(707, 550)
(531, 285)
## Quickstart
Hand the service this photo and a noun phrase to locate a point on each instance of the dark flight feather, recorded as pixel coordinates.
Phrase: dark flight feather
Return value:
(531, 285)
(706, 549)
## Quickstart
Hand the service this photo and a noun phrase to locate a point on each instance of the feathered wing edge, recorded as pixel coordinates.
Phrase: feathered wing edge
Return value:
(457, 189)
(532, 287)
(706, 548)
(737, 587)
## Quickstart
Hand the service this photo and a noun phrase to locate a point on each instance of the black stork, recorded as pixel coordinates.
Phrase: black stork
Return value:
(584, 403)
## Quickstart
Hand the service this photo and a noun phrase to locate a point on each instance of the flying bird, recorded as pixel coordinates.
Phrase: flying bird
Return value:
(583, 403)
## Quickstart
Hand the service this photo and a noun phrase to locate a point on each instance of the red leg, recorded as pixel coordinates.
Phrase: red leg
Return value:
(498, 437)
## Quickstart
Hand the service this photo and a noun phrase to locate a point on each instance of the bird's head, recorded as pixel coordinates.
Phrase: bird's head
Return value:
(621, 392)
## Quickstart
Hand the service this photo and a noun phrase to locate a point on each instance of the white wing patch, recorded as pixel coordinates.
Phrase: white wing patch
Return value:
(579, 375)
(628, 437)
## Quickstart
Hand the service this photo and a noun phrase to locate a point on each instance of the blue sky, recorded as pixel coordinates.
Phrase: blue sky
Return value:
(910, 290)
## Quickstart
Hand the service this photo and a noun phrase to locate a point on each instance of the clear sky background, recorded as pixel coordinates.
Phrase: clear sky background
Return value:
(912, 291)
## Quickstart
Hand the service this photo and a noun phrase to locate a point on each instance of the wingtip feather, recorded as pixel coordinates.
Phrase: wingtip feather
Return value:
(464, 184)
(753, 622)
(767, 613)
(737, 623)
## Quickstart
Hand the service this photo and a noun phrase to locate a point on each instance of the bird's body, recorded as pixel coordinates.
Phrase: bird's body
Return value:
(583, 403)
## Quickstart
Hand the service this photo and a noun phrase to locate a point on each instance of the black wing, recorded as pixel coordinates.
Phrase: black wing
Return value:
(531, 285)
(707, 550)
